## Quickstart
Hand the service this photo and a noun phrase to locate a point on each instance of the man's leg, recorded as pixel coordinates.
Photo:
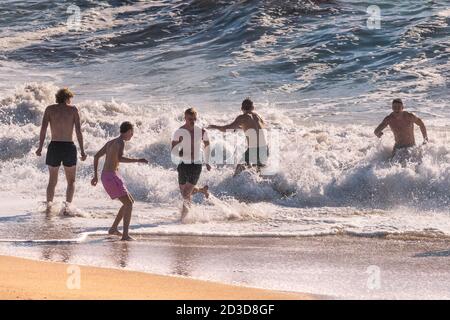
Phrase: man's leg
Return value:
(70, 177)
(125, 211)
(114, 230)
(186, 193)
(52, 181)
(239, 169)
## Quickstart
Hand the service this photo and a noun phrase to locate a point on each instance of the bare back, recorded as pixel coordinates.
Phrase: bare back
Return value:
(253, 126)
(114, 150)
(62, 120)
(403, 128)
(251, 120)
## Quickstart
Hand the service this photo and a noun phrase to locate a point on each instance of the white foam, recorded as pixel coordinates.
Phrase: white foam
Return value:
(321, 165)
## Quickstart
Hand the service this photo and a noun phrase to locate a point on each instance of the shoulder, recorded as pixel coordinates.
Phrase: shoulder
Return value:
(50, 108)
(410, 115)
(74, 109)
(258, 116)
(117, 144)
(388, 117)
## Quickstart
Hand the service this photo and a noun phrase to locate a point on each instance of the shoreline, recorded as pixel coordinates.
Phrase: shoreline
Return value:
(26, 279)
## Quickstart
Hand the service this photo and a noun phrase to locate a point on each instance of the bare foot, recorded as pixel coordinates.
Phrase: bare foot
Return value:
(205, 191)
(114, 232)
(127, 238)
(65, 211)
(185, 210)
(49, 207)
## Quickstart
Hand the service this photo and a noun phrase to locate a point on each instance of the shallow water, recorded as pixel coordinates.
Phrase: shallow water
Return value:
(318, 75)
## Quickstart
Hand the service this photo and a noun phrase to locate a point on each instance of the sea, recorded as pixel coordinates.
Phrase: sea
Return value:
(322, 74)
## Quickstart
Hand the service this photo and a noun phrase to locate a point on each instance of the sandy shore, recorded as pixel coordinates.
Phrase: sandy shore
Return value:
(28, 279)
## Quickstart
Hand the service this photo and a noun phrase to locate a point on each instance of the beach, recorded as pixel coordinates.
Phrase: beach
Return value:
(327, 267)
(24, 279)
(333, 215)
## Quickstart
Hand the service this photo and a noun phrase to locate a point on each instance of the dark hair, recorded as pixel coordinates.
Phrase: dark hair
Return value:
(397, 100)
(191, 112)
(63, 94)
(247, 105)
(125, 126)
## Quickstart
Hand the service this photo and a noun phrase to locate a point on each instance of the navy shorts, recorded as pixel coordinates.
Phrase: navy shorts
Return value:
(257, 156)
(64, 152)
(189, 173)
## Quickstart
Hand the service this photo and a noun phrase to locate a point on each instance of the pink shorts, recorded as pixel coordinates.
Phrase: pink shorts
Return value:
(113, 185)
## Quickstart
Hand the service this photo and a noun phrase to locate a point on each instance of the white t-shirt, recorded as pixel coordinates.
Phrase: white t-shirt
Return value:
(191, 145)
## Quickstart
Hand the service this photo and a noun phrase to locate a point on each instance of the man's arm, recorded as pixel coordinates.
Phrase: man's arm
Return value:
(97, 157)
(379, 130)
(44, 126)
(79, 134)
(422, 127)
(236, 124)
(128, 160)
(175, 143)
(207, 153)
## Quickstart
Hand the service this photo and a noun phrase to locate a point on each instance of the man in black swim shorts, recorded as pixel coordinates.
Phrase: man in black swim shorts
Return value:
(186, 144)
(63, 119)
(253, 126)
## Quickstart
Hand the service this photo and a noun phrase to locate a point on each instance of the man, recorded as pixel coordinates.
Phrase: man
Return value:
(112, 181)
(254, 128)
(402, 125)
(186, 144)
(63, 118)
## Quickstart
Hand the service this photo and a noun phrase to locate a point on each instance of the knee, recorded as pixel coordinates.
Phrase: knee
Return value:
(52, 183)
(186, 194)
(129, 204)
(71, 182)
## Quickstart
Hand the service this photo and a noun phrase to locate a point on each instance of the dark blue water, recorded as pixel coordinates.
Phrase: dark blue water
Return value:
(292, 54)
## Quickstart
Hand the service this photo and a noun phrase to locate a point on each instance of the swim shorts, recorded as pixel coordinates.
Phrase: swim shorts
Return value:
(61, 151)
(256, 156)
(113, 184)
(189, 173)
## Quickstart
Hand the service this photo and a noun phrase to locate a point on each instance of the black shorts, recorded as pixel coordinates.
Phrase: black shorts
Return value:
(61, 151)
(257, 156)
(189, 173)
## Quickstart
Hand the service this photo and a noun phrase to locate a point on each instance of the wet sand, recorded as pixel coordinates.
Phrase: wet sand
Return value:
(336, 267)
(28, 279)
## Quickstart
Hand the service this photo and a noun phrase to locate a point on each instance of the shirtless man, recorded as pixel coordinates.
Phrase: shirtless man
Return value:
(112, 181)
(63, 118)
(402, 125)
(186, 144)
(253, 125)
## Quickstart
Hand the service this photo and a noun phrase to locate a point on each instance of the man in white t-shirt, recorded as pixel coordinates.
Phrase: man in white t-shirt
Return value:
(186, 145)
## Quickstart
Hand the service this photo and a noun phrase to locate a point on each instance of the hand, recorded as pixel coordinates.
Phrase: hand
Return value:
(39, 151)
(94, 181)
(142, 161)
(83, 156)
(208, 167)
(379, 134)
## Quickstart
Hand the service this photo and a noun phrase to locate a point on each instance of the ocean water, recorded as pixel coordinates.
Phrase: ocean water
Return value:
(318, 74)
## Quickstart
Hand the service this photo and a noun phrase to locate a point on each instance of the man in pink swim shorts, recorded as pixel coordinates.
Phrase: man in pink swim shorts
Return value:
(112, 181)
